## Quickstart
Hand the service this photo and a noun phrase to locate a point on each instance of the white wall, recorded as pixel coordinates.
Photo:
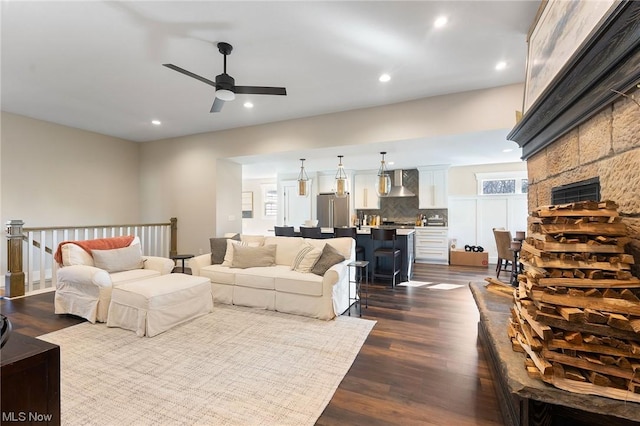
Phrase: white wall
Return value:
(462, 179)
(54, 175)
(259, 224)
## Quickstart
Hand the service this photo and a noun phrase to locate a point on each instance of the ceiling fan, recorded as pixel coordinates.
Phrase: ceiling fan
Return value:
(226, 89)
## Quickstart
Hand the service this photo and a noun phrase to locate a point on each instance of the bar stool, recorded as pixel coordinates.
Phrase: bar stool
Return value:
(386, 235)
(283, 231)
(310, 232)
(349, 232)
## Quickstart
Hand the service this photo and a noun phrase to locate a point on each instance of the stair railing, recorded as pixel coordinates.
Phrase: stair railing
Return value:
(30, 264)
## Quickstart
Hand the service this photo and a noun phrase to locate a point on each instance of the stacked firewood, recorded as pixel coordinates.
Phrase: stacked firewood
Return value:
(577, 307)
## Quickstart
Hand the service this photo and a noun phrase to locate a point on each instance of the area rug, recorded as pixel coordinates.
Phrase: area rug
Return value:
(235, 366)
(414, 284)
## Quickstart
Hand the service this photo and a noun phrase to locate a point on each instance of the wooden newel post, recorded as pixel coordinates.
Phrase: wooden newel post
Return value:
(173, 250)
(14, 280)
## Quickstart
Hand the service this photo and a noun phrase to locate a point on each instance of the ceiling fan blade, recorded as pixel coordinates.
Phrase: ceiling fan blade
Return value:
(217, 105)
(259, 90)
(190, 74)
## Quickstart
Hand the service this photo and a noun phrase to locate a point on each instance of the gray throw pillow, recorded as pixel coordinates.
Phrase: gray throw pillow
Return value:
(328, 258)
(249, 257)
(219, 248)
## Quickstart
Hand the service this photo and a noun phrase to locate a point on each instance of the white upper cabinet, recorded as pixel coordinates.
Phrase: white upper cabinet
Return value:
(364, 189)
(433, 187)
(326, 183)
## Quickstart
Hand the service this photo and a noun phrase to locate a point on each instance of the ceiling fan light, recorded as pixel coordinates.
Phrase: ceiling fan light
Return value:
(225, 95)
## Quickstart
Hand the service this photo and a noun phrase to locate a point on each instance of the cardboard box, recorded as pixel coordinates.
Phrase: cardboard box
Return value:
(468, 258)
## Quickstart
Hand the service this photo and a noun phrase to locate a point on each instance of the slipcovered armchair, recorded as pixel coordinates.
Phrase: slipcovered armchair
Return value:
(86, 276)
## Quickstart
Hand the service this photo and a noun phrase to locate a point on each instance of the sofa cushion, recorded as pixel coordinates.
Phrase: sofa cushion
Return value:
(219, 248)
(329, 257)
(118, 278)
(299, 283)
(288, 248)
(252, 240)
(260, 277)
(219, 274)
(120, 259)
(248, 257)
(73, 254)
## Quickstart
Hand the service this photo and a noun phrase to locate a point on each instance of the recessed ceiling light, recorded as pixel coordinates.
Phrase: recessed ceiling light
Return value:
(391, 163)
(501, 65)
(248, 105)
(440, 22)
(384, 78)
(507, 150)
(156, 122)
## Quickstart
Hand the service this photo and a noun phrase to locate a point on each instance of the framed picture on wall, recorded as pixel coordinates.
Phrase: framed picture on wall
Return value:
(560, 31)
(247, 205)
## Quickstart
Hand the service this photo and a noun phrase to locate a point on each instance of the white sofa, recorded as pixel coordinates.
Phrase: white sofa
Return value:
(280, 288)
(85, 290)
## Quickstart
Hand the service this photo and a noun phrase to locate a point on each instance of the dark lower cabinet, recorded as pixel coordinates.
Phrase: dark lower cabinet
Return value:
(30, 381)
(405, 243)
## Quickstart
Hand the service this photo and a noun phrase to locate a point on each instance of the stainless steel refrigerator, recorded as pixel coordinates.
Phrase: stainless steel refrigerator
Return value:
(333, 211)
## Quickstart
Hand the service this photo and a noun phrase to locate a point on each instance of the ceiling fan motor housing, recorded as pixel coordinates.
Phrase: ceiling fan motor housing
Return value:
(225, 81)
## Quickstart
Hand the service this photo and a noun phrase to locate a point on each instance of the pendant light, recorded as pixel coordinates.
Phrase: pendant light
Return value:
(342, 184)
(383, 187)
(303, 181)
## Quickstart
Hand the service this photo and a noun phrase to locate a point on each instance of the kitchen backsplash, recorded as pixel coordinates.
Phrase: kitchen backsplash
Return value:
(404, 209)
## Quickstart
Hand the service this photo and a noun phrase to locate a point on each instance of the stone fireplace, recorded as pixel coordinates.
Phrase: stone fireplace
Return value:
(586, 123)
(607, 147)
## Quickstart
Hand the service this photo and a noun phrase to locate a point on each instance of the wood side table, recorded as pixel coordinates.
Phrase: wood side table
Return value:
(181, 257)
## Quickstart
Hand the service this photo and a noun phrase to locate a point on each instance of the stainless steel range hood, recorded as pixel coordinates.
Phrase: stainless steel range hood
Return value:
(397, 190)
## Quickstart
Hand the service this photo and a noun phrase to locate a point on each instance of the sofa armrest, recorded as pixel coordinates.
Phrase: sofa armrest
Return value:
(84, 276)
(335, 284)
(199, 262)
(164, 265)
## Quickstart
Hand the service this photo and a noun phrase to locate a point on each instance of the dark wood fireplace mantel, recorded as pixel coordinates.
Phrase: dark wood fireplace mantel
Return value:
(610, 59)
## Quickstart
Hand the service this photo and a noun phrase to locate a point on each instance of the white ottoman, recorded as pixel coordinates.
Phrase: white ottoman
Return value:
(154, 305)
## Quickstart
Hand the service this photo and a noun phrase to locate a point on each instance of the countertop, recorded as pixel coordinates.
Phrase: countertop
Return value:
(366, 230)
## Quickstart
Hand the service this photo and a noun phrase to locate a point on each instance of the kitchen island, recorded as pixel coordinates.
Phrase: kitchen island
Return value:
(404, 241)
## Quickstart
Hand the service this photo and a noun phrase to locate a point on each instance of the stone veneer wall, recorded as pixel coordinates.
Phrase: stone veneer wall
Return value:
(607, 146)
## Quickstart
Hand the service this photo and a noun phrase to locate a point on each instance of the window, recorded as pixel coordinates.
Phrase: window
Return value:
(270, 200)
(502, 183)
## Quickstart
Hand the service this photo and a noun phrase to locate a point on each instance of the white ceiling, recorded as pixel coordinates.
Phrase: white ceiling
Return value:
(96, 65)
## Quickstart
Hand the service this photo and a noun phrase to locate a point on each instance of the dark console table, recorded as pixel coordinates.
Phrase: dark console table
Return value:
(30, 381)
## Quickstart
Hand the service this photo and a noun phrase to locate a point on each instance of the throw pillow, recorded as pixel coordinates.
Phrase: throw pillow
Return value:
(328, 258)
(219, 248)
(73, 254)
(309, 261)
(249, 257)
(116, 260)
(306, 248)
(228, 256)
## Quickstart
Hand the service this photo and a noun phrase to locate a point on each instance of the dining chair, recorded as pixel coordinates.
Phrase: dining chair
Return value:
(284, 231)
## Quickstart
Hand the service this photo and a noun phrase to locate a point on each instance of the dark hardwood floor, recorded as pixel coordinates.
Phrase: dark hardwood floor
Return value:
(421, 364)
